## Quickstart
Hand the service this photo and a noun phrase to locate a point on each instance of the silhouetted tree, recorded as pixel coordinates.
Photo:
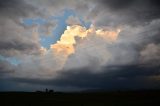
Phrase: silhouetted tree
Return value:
(46, 90)
(51, 91)
(38, 91)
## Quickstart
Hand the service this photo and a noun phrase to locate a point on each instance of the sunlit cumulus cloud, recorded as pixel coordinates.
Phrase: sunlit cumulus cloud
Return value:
(79, 43)
(73, 41)
(77, 35)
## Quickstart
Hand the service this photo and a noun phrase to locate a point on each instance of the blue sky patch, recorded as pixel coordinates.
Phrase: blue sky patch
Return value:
(11, 60)
(46, 41)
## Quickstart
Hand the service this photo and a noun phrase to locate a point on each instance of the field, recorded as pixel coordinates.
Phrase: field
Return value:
(125, 98)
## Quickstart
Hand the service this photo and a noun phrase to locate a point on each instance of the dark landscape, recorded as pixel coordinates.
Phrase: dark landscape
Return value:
(115, 98)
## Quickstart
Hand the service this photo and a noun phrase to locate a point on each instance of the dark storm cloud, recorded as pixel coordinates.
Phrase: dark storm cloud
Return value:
(138, 43)
(112, 78)
(130, 12)
(17, 45)
(6, 68)
(14, 37)
(117, 4)
(15, 9)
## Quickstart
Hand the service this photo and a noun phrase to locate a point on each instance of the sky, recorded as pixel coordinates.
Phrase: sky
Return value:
(74, 45)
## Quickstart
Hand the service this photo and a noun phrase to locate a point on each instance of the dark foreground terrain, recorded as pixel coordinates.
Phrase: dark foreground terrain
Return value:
(127, 98)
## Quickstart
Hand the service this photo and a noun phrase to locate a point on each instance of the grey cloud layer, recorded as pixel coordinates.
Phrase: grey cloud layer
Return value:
(111, 78)
(133, 12)
(14, 37)
(136, 48)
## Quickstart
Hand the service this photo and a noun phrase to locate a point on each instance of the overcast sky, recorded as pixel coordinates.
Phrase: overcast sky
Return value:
(72, 45)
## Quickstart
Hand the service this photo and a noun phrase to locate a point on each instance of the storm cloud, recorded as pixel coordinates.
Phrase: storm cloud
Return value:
(130, 60)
